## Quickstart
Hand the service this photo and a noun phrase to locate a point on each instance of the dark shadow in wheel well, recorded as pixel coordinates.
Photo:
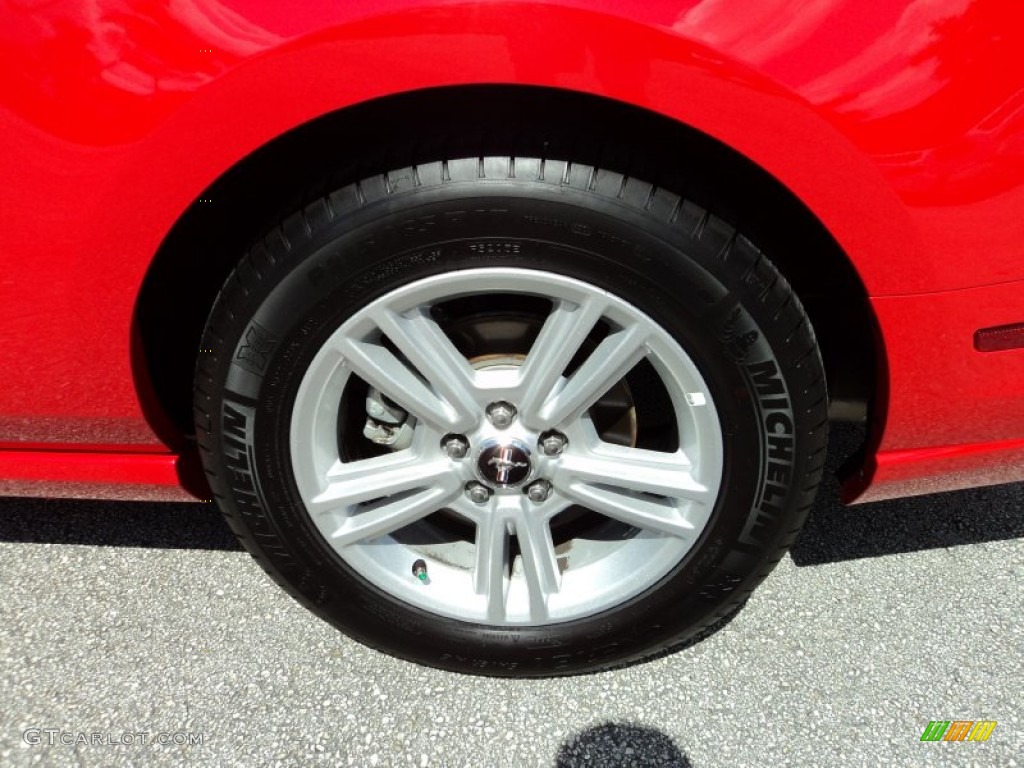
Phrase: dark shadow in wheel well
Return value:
(209, 239)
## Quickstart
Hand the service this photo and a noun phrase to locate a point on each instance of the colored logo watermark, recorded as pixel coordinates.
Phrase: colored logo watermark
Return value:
(958, 730)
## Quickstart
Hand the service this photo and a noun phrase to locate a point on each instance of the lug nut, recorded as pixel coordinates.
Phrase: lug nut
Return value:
(538, 491)
(478, 493)
(552, 443)
(501, 414)
(456, 446)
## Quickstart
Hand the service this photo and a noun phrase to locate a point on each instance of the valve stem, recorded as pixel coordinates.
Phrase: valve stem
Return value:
(419, 570)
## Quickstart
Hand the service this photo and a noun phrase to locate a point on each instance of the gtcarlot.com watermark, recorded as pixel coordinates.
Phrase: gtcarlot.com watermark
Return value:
(51, 737)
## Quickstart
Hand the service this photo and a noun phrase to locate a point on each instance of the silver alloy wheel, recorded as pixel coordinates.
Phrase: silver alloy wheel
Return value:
(375, 512)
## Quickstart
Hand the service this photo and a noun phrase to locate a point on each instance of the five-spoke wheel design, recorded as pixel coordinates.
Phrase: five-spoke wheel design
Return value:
(506, 446)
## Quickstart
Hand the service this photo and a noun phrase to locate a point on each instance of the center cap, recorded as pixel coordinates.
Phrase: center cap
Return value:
(504, 462)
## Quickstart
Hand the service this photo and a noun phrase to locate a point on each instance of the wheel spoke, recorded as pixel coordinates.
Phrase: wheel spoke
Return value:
(610, 361)
(379, 367)
(637, 470)
(634, 486)
(391, 514)
(649, 513)
(359, 481)
(559, 339)
(491, 567)
(540, 563)
(418, 336)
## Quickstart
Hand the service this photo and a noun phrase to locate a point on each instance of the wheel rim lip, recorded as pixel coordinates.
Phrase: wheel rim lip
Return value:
(615, 569)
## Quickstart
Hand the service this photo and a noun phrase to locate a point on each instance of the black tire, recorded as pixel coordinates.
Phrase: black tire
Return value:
(700, 280)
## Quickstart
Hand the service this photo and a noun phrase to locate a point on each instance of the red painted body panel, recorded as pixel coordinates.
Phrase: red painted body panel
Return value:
(95, 475)
(954, 415)
(900, 125)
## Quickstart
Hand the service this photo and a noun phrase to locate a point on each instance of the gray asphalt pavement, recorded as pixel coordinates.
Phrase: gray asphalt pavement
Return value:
(144, 623)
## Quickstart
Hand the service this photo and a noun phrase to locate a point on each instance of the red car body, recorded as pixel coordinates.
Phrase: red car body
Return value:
(900, 127)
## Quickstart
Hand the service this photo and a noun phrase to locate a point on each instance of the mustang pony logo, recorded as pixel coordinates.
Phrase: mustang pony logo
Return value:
(507, 464)
(504, 464)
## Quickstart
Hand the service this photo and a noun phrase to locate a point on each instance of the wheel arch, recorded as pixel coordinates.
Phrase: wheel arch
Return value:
(209, 238)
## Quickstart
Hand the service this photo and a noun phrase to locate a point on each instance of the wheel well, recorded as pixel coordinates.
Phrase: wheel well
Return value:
(209, 239)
